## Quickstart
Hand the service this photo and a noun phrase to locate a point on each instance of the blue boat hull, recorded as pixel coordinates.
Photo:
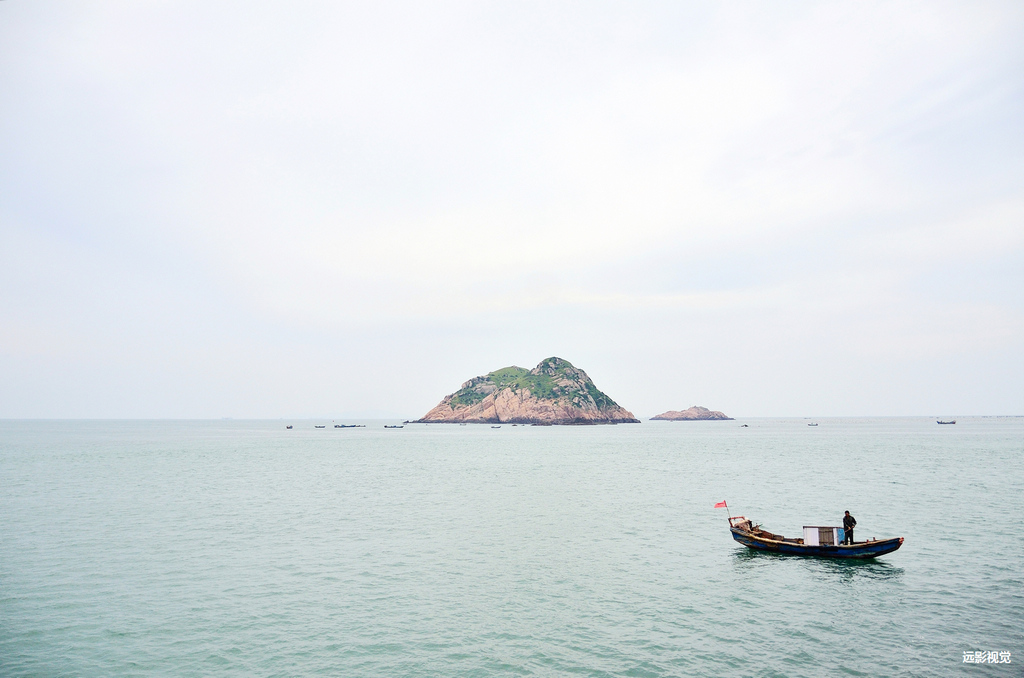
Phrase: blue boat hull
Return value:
(865, 549)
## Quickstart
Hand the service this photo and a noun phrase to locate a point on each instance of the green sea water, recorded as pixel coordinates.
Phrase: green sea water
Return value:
(240, 548)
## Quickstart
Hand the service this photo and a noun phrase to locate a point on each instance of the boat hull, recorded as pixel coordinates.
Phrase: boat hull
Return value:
(859, 550)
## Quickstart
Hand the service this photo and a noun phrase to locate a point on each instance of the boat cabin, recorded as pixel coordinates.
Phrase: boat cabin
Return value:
(823, 536)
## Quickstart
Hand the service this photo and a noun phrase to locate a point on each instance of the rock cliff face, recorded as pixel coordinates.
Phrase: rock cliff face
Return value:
(554, 392)
(694, 413)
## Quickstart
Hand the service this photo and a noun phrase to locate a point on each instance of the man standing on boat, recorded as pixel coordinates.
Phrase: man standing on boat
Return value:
(849, 522)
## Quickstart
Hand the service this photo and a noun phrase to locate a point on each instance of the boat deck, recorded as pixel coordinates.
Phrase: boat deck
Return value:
(753, 537)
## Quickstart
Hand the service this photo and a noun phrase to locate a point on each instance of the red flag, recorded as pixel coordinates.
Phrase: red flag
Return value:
(721, 504)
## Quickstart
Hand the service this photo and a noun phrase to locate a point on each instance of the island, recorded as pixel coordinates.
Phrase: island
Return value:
(695, 413)
(553, 393)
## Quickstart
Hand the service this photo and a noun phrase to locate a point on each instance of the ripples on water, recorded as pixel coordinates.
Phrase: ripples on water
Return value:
(241, 548)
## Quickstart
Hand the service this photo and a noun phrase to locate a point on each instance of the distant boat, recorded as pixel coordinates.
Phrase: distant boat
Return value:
(387, 426)
(946, 422)
(289, 426)
(350, 426)
(744, 426)
(823, 542)
(324, 426)
(495, 427)
(812, 424)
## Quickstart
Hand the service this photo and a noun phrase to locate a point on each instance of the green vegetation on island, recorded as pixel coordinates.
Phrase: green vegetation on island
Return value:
(553, 392)
(547, 382)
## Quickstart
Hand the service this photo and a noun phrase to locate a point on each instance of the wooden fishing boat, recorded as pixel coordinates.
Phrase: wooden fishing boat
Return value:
(823, 542)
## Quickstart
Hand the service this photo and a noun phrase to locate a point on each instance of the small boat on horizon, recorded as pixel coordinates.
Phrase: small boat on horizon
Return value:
(389, 426)
(815, 424)
(317, 426)
(288, 426)
(496, 427)
(952, 421)
(822, 542)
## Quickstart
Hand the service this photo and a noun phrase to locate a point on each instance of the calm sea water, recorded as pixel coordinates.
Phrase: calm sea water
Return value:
(239, 548)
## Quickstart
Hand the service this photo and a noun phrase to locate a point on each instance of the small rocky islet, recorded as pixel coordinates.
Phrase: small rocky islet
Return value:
(553, 393)
(695, 413)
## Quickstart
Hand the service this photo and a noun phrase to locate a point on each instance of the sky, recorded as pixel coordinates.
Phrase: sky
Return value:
(252, 209)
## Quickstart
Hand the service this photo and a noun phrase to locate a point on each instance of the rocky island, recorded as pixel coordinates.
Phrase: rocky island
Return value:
(554, 392)
(695, 413)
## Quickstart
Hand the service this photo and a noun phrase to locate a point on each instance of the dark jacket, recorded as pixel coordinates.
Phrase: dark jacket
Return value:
(849, 522)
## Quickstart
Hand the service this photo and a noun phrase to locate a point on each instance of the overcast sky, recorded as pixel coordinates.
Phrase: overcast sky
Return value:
(292, 209)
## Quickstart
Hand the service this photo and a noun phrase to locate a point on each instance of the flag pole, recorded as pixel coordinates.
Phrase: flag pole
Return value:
(724, 504)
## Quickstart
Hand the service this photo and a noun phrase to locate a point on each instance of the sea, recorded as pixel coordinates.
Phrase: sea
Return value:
(242, 548)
